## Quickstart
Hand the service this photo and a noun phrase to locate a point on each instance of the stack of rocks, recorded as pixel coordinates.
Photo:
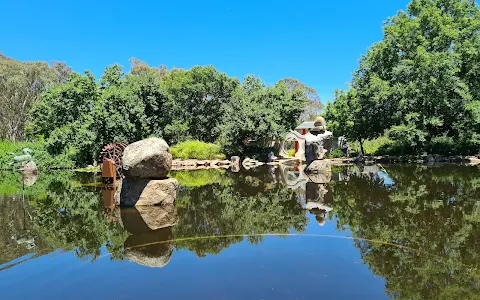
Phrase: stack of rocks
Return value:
(318, 142)
(146, 164)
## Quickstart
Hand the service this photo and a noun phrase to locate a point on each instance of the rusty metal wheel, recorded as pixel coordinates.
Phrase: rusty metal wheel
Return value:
(114, 151)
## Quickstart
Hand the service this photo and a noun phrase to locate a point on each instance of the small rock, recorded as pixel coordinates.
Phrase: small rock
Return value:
(190, 162)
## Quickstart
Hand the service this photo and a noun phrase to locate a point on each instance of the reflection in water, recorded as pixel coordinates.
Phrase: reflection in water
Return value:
(433, 211)
(144, 246)
(250, 203)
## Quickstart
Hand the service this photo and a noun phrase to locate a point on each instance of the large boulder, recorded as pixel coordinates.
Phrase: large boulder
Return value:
(149, 158)
(319, 171)
(318, 146)
(138, 192)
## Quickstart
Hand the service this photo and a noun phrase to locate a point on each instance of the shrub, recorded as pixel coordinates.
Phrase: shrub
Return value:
(336, 153)
(196, 150)
(376, 146)
(39, 154)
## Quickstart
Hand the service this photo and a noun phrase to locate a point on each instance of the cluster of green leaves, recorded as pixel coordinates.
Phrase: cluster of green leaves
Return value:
(419, 85)
(378, 146)
(336, 153)
(40, 155)
(81, 115)
(20, 87)
(434, 212)
(261, 114)
(196, 150)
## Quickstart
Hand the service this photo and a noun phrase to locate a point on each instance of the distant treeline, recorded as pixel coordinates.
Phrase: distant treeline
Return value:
(420, 85)
(76, 114)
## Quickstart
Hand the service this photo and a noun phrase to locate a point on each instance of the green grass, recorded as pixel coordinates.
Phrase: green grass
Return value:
(371, 147)
(39, 154)
(11, 183)
(196, 150)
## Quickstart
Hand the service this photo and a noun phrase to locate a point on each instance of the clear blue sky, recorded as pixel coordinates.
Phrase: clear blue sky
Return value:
(317, 42)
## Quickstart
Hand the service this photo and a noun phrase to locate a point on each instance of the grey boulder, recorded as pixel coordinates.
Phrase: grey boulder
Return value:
(149, 158)
(138, 192)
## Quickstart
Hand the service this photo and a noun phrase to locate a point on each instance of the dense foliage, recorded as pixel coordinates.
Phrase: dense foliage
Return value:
(20, 87)
(419, 85)
(81, 115)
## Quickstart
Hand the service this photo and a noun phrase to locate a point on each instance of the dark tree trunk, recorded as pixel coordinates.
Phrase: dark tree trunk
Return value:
(361, 146)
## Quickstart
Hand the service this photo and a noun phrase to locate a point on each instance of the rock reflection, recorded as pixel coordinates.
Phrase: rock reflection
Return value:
(319, 201)
(150, 229)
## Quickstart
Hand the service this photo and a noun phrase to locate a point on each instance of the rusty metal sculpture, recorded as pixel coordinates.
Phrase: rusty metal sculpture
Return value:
(114, 152)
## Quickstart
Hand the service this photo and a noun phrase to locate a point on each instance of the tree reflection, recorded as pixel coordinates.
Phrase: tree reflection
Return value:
(435, 211)
(71, 218)
(250, 204)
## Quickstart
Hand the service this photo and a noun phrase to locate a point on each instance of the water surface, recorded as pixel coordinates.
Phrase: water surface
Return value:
(378, 232)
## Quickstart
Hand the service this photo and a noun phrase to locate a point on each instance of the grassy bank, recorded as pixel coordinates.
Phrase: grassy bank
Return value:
(39, 154)
(196, 150)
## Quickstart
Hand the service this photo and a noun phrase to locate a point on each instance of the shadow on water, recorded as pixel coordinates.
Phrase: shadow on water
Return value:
(434, 211)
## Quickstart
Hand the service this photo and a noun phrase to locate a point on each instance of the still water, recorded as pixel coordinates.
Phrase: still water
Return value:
(380, 232)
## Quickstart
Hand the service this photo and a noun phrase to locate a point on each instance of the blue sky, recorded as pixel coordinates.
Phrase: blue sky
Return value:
(317, 42)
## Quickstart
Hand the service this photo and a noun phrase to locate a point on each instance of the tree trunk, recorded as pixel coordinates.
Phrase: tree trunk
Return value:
(361, 147)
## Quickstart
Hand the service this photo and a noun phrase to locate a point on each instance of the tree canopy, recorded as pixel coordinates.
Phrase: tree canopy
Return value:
(419, 85)
(80, 115)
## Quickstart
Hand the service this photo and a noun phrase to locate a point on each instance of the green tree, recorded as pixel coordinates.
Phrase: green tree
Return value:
(63, 117)
(314, 106)
(20, 87)
(260, 113)
(420, 83)
(195, 98)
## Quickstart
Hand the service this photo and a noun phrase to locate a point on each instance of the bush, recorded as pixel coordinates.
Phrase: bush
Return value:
(336, 153)
(196, 150)
(372, 147)
(39, 154)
